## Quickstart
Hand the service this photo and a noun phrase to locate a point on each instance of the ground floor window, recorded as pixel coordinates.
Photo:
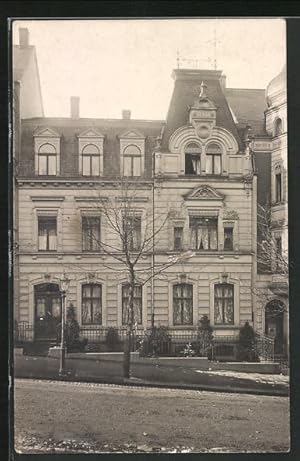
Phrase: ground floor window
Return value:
(137, 304)
(91, 307)
(224, 304)
(183, 304)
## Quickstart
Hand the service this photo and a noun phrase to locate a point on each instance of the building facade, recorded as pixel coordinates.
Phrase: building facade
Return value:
(196, 168)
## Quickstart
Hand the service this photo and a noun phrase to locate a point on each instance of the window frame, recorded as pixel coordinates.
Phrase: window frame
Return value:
(90, 156)
(213, 155)
(130, 244)
(91, 298)
(132, 158)
(194, 152)
(223, 298)
(46, 155)
(192, 229)
(140, 307)
(278, 185)
(180, 247)
(231, 228)
(43, 218)
(84, 223)
(182, 300)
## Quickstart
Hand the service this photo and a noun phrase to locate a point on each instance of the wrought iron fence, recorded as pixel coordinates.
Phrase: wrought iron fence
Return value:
(23, 332)
(265, 346)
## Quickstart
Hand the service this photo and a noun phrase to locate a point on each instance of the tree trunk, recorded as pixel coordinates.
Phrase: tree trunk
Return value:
(128, 339)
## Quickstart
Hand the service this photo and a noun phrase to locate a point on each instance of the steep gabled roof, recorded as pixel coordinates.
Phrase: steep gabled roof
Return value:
(21, 59)
(248, 106)
(186, 90)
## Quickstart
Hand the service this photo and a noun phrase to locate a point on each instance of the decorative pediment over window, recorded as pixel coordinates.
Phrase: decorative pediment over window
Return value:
(46, 133)
(90, 133)
(132, 134)
(204, 193)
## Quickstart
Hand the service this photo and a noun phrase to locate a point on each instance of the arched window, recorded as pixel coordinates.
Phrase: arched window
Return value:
(90, 160)
(47, 160)
(224, 304)
(213, 159)
(132, 161)
(192, 159)
(91, 305)
(183, 304)
(278, 127)
(278, 184)
(137, 304)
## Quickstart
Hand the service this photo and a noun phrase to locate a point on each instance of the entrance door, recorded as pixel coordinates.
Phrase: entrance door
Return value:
(47, 311)
(274, 324)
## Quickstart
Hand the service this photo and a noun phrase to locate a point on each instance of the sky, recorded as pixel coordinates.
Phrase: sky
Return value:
(127, 64)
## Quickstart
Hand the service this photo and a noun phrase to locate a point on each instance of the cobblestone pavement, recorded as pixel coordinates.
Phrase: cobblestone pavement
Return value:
(66, 417)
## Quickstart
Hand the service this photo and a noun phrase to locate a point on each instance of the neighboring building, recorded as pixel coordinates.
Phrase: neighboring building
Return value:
(204, 180)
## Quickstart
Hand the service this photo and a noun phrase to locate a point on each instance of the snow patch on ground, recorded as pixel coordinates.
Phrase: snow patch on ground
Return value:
(258, 377)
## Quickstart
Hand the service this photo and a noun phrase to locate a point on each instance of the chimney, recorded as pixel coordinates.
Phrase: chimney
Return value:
(75, 107)
(223, 82)
(23, 37)
(126, 114)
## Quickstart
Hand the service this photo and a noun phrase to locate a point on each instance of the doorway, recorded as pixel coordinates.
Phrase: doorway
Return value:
(274, 324)
(47, 314)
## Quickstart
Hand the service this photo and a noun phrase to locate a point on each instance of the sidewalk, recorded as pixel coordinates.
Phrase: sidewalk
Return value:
(158, 376)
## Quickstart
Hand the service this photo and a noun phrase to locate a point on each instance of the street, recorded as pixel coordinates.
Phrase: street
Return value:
(81, 417)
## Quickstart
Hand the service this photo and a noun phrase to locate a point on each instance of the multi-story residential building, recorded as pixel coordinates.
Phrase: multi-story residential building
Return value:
(196, 167)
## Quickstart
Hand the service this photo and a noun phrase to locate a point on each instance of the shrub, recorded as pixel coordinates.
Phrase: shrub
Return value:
(72, 332)
(188, 351)
(156, 342)
(247, 344)
(112, 339)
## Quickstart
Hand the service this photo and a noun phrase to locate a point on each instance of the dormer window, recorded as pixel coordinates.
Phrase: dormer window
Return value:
(132, 158)
(192, 159)
(90, 145)
(132, 153)
(90, 160)
(213, 159)
(46, 152)
(47, 160)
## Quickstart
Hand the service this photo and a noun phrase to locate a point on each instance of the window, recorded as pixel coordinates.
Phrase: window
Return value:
(90, 160)
(228, 238)
(132, 233)
(192, 159)
(47, 160)
(178, 238)
(224, 307)
(278, 127)
(278, 188)
(47, 233)
(183, 304)
(132, 161)
(204, 233)
(213, 159)
(278, 250)
(137, 304)
(90, 233)
(91, 307)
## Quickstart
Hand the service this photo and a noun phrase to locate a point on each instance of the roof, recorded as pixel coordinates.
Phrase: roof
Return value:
(21, 58)
(248, 106)
(186, 90)
(69, 129)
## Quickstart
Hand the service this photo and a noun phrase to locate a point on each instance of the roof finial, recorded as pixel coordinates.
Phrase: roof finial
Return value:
(203, 93)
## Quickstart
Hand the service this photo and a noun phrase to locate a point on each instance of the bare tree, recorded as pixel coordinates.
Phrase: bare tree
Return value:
(130, 240)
